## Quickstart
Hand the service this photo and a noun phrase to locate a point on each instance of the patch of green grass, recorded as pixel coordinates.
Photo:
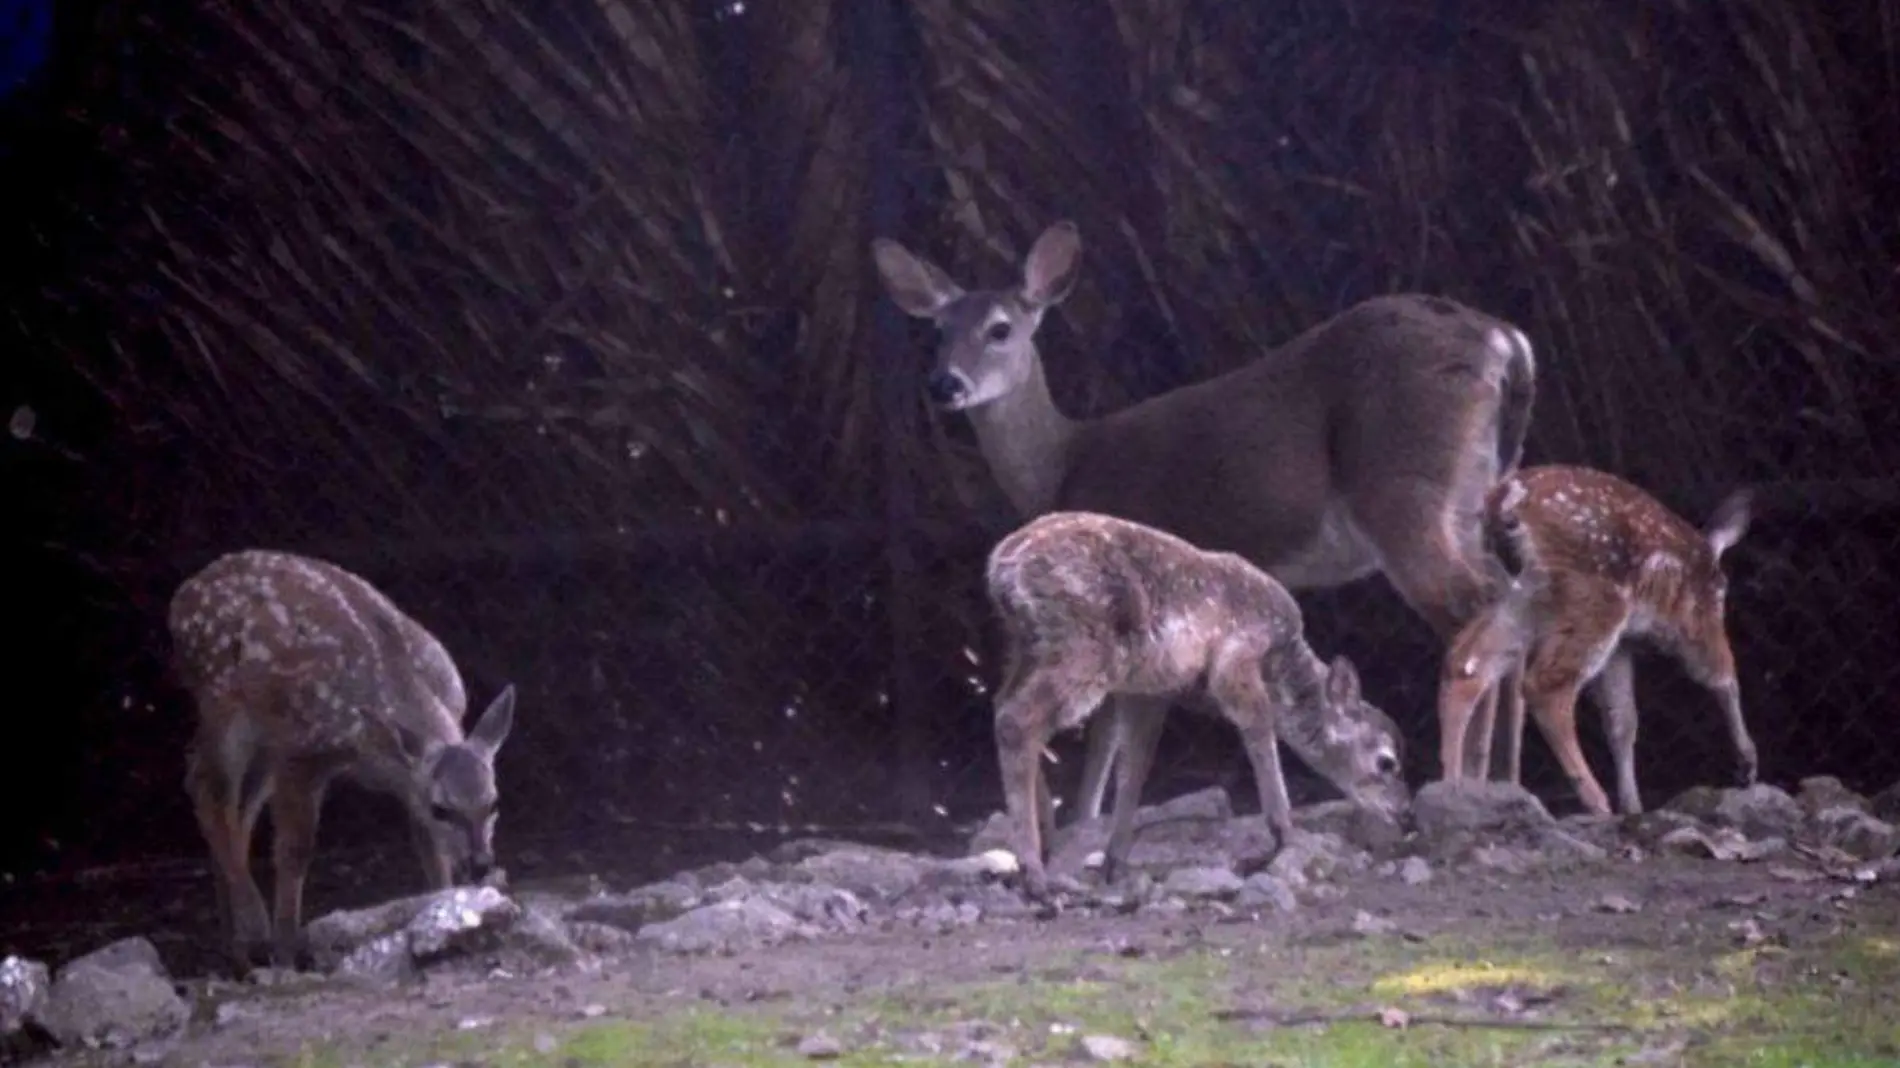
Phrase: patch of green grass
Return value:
(1821, 1005)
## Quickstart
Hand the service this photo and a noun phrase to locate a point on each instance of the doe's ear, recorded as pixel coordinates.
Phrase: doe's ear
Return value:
(1053, 265)
(914, 283)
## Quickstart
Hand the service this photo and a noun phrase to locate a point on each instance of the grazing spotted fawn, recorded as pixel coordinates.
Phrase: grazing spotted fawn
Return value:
(1093, 606)
(1601, 564)
(301, 672)
(1363, 445)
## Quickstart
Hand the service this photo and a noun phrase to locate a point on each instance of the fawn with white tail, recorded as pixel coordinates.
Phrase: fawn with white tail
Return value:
(1363, 445)
(300, 673)
(1093, 606)
(1601, 564)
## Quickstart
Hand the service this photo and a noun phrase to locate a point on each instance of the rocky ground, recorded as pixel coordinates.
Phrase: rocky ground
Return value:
(1731, 926)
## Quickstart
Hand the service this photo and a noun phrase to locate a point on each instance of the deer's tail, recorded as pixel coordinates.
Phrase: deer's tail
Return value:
(1520, 391)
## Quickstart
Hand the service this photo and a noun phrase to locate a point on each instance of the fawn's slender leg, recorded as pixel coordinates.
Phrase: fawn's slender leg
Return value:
(215, 809)
(1561, 660)
(1140, 734)
(1555, 711)
(1456, 700)
(227, 821)
(435, 866)
(1026, 714)
(1729, 692)
(1236, 686)
(1469, 675)
(294, 808)
(1513, 687)
(1483, 725)
(1104, 741)
(1614, 689)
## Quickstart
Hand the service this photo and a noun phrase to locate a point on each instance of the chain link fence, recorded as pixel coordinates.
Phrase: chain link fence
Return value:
(561, 327)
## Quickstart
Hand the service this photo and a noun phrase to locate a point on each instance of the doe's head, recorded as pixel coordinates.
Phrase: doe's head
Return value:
(986, 347)
(1360, 749)
(453, 796)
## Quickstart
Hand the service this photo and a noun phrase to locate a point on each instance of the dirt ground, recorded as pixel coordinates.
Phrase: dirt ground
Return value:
(1666, 960)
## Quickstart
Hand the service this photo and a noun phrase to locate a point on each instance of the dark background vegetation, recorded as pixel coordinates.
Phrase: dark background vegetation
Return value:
(558, 323)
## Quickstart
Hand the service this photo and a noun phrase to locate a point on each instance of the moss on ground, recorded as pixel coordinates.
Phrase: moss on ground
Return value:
(1444, 1002)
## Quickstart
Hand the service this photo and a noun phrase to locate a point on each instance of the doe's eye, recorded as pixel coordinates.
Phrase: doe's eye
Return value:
(997, 333)
(1386, 764)
(441, 813)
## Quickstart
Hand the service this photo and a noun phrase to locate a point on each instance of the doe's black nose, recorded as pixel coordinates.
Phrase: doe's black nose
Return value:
(944, 387)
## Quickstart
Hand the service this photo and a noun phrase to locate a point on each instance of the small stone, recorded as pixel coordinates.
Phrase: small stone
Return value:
(1104, 1048)
(24, 985)
(1415, 871)
(228, 1013)
(1366, 924)
(1617, 903)
(1263, 890)
(593, 1010)
(545, 1044)
(1502, 858)
(819, 1046)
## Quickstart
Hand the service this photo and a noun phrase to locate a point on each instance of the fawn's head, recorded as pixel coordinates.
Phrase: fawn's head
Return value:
(1701, 597)
(1357, 747)
(451, 791)
(987, 347)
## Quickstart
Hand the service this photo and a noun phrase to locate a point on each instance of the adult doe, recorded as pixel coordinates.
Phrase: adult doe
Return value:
(1602, 564)
(1092, 607)
(1364, 445)
(301, 672)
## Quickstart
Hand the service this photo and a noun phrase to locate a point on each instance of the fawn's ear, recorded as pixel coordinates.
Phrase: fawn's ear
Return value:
(1342, 682)
(412, 747)
(914, 283)
(497, 720)
(1053, 265)
(1729, 522)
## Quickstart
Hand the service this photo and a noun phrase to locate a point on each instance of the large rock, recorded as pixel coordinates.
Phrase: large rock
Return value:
(1316, 857)
(397, 938)
(876, 874)
(727, 926)
(1857, 833)
(827, 908)
(1758, 811)
(114, 996)
(1818, 793)
(1885, 805)
(652, 903)
(1443, 810)
(1363, 828)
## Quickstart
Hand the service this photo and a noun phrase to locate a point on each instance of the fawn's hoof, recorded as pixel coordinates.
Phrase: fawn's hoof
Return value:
(244, 956)
(1034, 883)
(292, 953)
